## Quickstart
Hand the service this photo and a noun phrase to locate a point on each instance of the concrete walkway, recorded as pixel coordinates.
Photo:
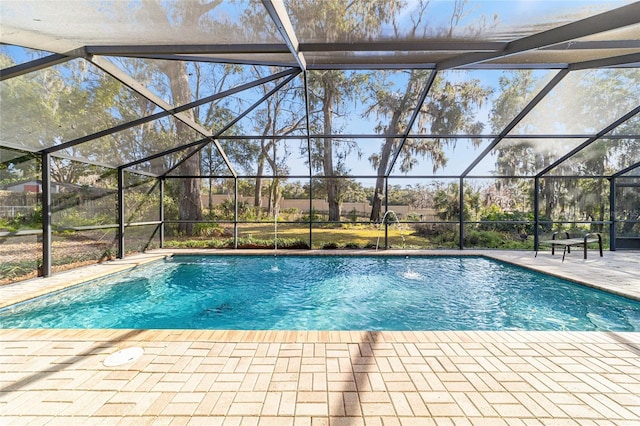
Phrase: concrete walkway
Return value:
(327, 378)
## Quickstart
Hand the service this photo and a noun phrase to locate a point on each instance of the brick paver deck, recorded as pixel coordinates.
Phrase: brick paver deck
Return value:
(324, 378)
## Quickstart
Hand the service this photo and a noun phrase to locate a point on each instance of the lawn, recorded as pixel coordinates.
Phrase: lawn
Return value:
(324, 236)
(360, 235)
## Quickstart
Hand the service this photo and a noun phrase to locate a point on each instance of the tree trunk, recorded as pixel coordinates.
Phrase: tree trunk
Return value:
(190, 202)
(190, 206)
(376, 202)
(600, 207)
(274, 197)
(257, 191)
(378, 196)
(600, 199)
(327, 160)
(264, 155)
(211, 197)
(547, 195)
(270, 200)
(335, 207)
(385, 156)
(209, 154)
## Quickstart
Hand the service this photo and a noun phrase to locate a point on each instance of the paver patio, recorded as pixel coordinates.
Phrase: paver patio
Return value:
(328, 378)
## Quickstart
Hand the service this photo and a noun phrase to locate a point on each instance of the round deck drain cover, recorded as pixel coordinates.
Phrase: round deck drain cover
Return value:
(122, 357)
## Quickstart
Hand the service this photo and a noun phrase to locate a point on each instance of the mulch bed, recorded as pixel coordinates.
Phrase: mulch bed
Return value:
(22, 250)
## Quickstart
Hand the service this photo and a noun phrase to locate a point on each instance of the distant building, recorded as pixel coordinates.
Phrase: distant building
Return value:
(35, 186)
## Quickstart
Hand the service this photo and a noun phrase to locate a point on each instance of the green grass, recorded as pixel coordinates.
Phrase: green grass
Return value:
(354, 236)
(327, 236)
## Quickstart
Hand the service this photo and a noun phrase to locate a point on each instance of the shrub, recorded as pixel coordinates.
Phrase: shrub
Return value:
(487, 239)
(243, 242)
(227, 207)
(210, 230)
(11, 271)
(516, 216)
(330, 246)
(313, 216)
(292, 243)
(432, 229)
(31, 220)
(290, 214)
(353, 215)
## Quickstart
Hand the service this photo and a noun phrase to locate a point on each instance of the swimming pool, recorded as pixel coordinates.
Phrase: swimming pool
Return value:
(328, 293)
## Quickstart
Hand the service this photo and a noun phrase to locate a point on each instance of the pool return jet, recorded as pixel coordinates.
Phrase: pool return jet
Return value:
(385, 222)
(409, 274)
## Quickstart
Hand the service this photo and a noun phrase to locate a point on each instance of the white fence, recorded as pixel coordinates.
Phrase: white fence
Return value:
(10, 212)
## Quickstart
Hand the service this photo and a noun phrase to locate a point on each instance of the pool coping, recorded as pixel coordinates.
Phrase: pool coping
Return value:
(595, 273)
(592, 272)
(37, 287)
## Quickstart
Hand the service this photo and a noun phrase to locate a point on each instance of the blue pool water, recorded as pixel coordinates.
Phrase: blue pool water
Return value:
(328, 293)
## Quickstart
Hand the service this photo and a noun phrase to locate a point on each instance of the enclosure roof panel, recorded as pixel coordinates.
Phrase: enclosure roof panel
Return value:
(412, 20)
(64, 25)
(389, 31)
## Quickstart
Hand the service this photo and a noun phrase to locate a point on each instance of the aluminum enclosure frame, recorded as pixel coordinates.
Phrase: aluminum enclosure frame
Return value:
(557, 39)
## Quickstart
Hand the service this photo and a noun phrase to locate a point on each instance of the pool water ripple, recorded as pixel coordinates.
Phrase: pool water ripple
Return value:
(328, 293)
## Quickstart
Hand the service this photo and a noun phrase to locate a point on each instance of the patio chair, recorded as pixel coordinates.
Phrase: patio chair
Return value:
(569, 242)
